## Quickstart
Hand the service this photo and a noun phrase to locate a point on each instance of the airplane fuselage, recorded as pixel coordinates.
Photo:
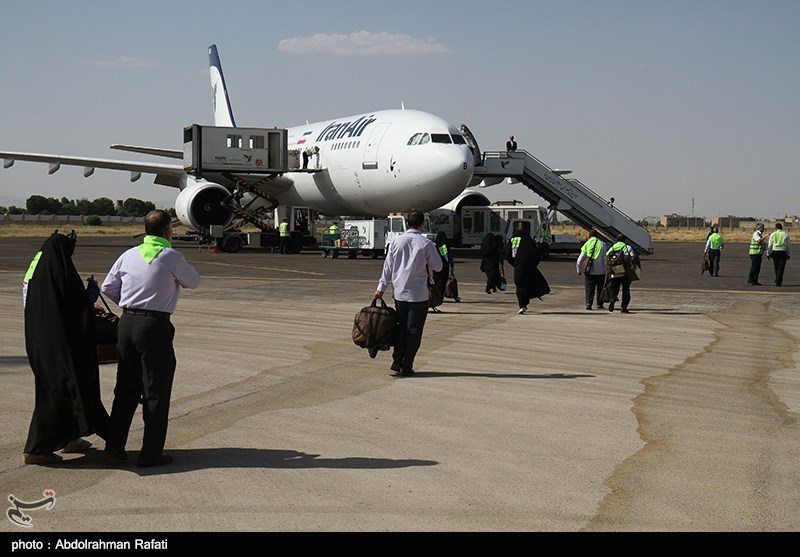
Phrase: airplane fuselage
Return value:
(377, 163)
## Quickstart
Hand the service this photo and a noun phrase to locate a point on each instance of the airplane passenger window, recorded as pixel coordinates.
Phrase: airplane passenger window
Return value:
(425, 139)
(440, 138)
(414, 139)
(459, 139)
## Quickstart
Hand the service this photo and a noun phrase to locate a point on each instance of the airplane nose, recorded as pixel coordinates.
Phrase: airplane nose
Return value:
(456, 164)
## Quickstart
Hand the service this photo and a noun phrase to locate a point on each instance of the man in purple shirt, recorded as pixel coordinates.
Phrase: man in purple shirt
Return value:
(406, 269)
(145, 282)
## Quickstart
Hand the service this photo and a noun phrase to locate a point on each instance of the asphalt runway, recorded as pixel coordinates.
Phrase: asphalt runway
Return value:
(681, 416)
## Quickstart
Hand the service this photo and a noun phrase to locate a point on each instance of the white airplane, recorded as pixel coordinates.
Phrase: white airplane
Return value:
(371, 164)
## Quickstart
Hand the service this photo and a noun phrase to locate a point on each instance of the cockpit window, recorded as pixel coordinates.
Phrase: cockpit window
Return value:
(440, 138)
(459, 139)
(425, 139)
(414, 139)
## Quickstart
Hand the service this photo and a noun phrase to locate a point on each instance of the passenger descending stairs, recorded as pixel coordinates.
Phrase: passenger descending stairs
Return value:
(567, 196)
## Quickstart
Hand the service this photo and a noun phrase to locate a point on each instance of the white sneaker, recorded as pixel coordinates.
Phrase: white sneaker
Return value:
(522, 310)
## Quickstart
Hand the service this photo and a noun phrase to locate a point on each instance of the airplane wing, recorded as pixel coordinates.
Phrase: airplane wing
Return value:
(171, 153)
(166, 174)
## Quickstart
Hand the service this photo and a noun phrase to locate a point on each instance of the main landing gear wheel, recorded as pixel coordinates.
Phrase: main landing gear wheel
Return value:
(231, 244)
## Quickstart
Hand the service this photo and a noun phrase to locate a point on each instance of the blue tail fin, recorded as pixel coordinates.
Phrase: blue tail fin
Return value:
(223, 114)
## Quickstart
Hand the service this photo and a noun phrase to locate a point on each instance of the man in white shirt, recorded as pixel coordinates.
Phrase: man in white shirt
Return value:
(145, 282)
(406, 269)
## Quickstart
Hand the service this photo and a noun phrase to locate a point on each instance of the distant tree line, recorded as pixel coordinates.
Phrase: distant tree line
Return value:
(40, 205)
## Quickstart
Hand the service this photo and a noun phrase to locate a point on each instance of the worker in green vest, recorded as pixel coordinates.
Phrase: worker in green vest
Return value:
(283, 231)
(714, 245)
(778, 248)
(756, 254)
(333, 231)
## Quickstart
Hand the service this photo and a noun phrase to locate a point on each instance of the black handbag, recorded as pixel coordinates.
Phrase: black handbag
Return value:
(503, 285)
(106, 324)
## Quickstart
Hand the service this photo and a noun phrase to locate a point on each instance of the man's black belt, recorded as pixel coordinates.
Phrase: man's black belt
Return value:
(147, 313)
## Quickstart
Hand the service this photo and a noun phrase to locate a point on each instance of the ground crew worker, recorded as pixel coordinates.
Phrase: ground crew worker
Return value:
(756, 254)
(543, 239)
(283, 230)
(333, 230)
(778, 250)
(714, 245)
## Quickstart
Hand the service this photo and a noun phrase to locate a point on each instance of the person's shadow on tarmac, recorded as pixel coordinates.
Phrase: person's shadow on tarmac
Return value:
(187, 460)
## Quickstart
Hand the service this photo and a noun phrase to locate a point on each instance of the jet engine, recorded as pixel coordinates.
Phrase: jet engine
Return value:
(199, 205)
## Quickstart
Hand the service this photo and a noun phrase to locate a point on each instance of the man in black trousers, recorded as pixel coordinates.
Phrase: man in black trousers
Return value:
(145, 282)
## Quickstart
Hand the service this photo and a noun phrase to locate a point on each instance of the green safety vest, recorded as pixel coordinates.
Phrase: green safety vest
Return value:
(716, 240)
(592, 251)
(545, 236)
(284, 229)
(333, 229)
(756, 247)
(443, 250)
(779, 240)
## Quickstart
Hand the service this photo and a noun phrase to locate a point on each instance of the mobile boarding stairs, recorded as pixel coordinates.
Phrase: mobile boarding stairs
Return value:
(568, 196)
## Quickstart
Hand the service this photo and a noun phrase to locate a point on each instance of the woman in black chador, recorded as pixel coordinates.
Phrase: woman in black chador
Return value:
(490, 262)
(523, 254)
(60, 341)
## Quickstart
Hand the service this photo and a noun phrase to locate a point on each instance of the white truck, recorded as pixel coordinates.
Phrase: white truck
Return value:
(470, 225)
(368, 237)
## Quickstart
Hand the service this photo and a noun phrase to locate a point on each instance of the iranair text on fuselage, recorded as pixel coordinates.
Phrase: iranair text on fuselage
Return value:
(340, 130)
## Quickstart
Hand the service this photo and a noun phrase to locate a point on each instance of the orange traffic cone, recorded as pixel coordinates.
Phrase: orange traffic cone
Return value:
(215, 249)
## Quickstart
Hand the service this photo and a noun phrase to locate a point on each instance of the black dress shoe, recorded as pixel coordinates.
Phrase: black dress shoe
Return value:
(157, 461)
(395, 366)
(404, 373)
(589, 307)
(116, 454)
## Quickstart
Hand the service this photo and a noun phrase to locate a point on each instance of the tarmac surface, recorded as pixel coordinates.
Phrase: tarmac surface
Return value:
(681, 416)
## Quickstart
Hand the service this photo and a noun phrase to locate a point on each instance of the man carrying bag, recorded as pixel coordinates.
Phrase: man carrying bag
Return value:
(406, 268)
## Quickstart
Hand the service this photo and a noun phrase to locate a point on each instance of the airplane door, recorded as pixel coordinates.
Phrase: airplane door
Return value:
(371, 152)
(472, 143)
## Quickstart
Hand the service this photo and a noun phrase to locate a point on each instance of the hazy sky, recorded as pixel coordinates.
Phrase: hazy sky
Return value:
(653, 102)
